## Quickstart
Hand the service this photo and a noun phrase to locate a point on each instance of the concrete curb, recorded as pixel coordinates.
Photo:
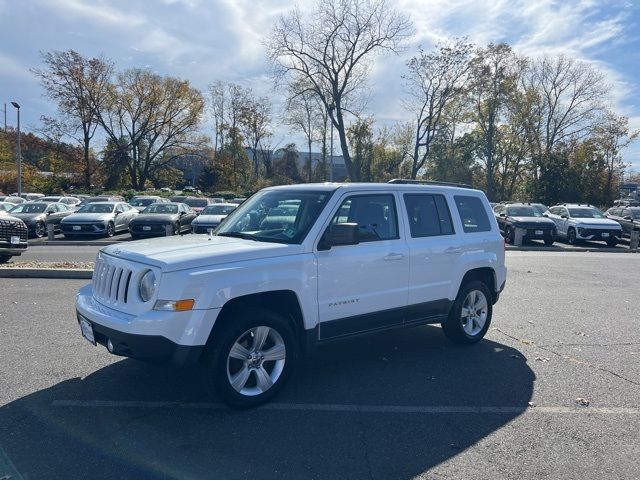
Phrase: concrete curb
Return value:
(59, 273)
(567, 249)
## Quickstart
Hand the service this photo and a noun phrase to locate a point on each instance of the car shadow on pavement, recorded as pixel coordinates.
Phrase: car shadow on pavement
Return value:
(390, 405)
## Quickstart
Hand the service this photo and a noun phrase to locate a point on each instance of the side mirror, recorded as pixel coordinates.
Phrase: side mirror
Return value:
(628, 218)
(49, 212)
(545, 215)
(117, 213)
(182, 214)
(564, 216)
(503, 215)
(340, 234)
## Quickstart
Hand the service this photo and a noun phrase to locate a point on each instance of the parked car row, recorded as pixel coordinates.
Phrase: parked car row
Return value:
(572, 222)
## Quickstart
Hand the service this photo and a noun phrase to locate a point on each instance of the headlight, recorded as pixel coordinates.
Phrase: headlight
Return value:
(148, 286)
(581, 231)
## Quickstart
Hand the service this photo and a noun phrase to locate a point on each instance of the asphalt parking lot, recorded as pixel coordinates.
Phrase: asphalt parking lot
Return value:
(395, 406)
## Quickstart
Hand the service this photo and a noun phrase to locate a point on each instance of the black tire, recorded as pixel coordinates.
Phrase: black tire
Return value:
(134, 237)
(39, 230)
(176, 229)
(571, 236)
(218, 365)
(454, 326)
(5, 258)
(111, 229)
(548, 241)
(509, 235)
(70, 236)
(612, 243)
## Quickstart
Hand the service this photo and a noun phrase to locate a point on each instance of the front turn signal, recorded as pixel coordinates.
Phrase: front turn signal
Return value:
(174, 305)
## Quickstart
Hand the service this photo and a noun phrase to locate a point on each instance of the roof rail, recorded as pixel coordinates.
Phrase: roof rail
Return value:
(407, 181)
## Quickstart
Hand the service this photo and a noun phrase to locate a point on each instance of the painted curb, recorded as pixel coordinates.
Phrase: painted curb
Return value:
(59, 273)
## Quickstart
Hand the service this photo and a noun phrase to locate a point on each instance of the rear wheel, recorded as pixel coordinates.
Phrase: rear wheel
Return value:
(251, 358)
(470, 316)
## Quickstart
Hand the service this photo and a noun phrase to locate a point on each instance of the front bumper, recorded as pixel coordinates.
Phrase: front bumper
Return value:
(599, 235)
(178, 338)
(12, 249)
(85, 228)
(203, 227)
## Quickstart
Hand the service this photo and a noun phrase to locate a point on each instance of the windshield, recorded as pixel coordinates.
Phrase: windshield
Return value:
(282, 216)
(635, 213)
(165, 208)
(96, 208)
(523, 212)
(540, 208)
(218, 210)
(196, 202)
(585, 213)
(29, 208)
(142, 202)
(5, 207)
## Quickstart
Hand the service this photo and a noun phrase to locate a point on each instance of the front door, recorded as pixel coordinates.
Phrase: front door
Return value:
(364, 287)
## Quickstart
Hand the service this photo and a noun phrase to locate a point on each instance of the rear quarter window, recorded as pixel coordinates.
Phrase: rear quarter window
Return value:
(472, 213)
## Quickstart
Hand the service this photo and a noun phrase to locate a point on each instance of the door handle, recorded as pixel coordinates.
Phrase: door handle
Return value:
(453, 250)
(394, 256)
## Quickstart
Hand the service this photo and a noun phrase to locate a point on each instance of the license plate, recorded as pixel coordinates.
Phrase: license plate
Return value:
(539, 232)
(87, 330)
(15, 240)
(605, 235)
(77, 227)
(147, 228)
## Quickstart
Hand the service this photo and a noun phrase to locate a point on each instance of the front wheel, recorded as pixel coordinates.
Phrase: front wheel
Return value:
(39, 230)
(5, 258)
(111, 229)
(509, 235)
(612, 243)
(548, 241)
(571, 236)
(470, 316)
(251, 359)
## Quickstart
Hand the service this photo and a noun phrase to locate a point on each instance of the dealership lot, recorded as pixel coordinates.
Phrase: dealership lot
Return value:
(400, 405)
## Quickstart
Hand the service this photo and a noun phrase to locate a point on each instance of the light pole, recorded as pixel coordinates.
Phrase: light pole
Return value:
(19, 151)
(331, 107)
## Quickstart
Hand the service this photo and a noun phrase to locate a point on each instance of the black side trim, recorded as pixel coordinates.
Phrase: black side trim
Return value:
(428, 312)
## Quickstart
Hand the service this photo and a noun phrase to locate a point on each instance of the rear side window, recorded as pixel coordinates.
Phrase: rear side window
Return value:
(472, 213)
(428, 215)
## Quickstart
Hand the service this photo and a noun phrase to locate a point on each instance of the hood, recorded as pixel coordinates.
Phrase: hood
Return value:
(151, 218)
(595, 222)
(88, 217)
(29, 217)
(190, 251)
(209, 219)
(542, 221)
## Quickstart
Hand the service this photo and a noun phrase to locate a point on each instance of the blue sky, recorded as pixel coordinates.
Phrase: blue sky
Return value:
(208, 40)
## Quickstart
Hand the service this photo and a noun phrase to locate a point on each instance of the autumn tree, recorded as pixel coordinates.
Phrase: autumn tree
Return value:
(157, 116)
(331, 49)
(78, 85)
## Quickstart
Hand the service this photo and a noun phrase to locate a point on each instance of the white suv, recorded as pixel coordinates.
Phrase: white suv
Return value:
(294, 267)
(577, 222)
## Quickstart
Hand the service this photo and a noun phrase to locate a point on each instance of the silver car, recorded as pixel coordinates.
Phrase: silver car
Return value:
(211, 216)
(100, 219)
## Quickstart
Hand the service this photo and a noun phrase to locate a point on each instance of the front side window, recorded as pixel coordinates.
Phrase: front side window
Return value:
(428, 215)
(375, 215)
(280, 216)
(472, 213)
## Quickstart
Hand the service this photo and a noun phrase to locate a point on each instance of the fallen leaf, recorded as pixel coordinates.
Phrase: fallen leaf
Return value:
(527, 342)
(531, 404)
(583, 402)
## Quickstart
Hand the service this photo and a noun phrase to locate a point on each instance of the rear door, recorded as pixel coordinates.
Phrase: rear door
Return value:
(363, 287)
(434, 250)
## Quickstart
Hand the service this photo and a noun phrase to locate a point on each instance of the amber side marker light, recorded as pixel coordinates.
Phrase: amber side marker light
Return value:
(174, 305)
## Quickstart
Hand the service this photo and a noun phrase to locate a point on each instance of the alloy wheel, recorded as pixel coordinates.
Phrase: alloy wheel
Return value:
(474, 312)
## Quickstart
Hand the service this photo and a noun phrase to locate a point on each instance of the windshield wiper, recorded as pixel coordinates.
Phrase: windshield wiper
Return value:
(246, 236)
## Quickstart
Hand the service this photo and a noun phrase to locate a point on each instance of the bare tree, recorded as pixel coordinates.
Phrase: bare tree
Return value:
(255, 124)
(332, 49)
(77, 84)
(155, 117)
(434, 80)
(303, 112)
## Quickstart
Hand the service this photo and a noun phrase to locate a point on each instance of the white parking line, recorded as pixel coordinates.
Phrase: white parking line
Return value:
(319, 407)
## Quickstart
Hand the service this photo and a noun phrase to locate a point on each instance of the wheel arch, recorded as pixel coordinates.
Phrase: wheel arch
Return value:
(486, 275)
(282, 302)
